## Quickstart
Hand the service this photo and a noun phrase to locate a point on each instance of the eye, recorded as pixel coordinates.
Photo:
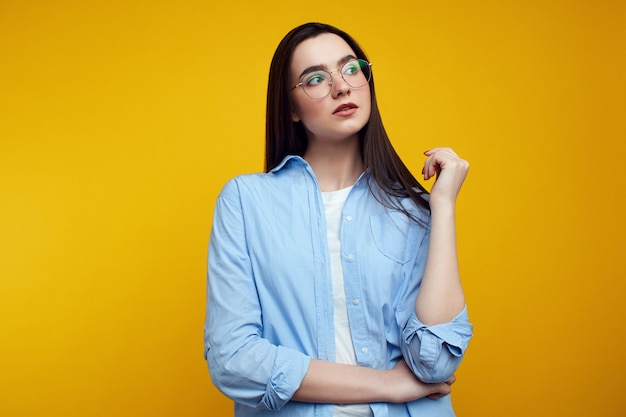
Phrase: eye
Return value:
(314, 78)
(351, 68)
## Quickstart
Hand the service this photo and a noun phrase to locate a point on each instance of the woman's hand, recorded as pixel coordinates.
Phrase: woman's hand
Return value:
(450, 172)
(404, 386)
(449, 382)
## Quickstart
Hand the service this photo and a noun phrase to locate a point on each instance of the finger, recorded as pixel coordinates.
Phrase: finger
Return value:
(432, 167)
(429, 170)
(436, 396)
(431, 151)
(426, 169)
(442, 155)
(441, 390)
(451, 380)
(448, 151)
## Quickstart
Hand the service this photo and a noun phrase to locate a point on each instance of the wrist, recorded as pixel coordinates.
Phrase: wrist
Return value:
(442, 207)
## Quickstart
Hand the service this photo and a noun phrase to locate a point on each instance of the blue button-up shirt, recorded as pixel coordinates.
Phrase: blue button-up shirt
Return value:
(270, 303)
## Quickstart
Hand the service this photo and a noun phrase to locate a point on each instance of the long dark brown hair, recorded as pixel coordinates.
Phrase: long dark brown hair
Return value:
(284, 137)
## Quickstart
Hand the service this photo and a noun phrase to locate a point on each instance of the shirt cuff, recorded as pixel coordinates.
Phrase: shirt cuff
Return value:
(434, 352)
(289, 370)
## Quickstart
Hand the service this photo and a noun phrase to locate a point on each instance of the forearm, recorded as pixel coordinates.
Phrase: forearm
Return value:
(335, 383)
(329, 382)
(441, 296)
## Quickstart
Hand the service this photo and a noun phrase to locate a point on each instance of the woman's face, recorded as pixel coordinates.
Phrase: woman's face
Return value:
(343, 112)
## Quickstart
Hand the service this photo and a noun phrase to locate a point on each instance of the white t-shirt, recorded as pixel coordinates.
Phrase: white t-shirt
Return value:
(333, 204)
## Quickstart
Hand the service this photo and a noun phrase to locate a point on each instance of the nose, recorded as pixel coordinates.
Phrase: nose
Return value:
(339, 86)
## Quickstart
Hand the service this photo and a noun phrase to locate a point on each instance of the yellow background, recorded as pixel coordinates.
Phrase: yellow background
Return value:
(121, 120)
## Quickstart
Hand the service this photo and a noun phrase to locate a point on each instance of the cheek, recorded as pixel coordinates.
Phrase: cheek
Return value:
(367, 102)
(308, 110)
(367, 106)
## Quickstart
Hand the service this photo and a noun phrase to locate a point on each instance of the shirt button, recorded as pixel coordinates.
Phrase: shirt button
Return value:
(350, 257)
(356, 301)
(349, 218)
(364, 350)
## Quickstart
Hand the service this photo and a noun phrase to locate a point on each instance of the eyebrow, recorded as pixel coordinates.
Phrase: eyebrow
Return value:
(312, 68)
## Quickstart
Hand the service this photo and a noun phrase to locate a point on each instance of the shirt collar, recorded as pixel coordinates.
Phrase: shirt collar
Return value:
(285, 161)
(296, 159)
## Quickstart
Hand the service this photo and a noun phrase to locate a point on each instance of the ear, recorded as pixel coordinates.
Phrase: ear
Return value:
(294, 116)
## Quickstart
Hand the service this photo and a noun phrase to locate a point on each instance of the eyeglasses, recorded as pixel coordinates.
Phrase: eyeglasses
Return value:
(318, 84)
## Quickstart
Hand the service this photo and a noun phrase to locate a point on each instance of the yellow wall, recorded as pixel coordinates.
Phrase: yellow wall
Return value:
(120, 121)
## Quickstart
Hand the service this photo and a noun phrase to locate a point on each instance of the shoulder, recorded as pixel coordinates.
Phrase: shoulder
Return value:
(290, 165)
(239, 184)
(259, 187)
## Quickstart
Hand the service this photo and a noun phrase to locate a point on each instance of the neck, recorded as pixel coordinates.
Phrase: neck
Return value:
(336, 165)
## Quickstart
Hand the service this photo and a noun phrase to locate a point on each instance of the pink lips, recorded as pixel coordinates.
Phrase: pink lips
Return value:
(345, 109)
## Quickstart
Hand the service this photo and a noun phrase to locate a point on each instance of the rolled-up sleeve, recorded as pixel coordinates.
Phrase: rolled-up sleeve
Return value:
(435, 352)
(243, 365)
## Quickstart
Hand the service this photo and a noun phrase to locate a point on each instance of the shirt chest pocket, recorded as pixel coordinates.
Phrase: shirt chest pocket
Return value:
(395, 235)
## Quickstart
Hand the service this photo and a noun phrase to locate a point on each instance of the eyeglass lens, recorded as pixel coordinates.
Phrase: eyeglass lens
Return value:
(356, 73)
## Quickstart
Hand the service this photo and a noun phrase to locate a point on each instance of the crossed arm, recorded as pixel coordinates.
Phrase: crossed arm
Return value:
(440, 299)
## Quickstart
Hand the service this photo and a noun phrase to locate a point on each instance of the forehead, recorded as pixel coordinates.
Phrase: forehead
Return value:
(326, 49)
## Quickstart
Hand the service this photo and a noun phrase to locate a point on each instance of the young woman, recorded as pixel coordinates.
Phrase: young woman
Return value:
(333, 283)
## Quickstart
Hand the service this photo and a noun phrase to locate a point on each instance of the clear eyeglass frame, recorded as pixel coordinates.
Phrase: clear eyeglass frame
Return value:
(363, 66)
